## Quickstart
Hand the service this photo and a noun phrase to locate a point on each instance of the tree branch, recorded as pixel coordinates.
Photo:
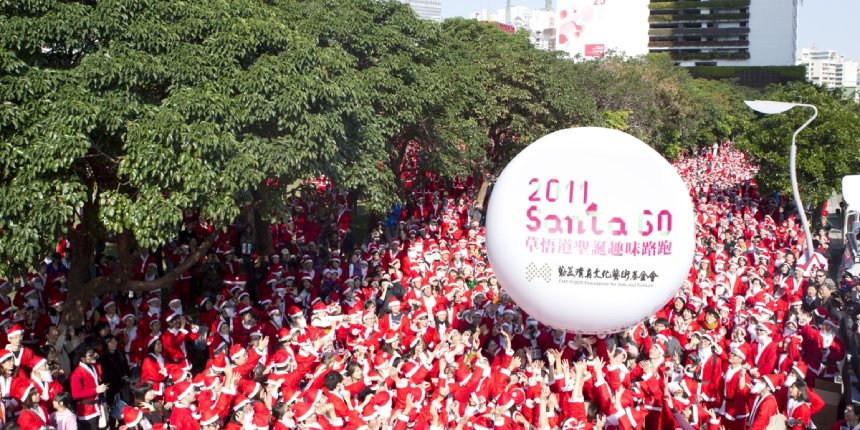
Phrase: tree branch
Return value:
(169, 277)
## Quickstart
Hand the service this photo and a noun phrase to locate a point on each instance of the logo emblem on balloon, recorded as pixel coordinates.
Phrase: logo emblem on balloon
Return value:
(534, 272)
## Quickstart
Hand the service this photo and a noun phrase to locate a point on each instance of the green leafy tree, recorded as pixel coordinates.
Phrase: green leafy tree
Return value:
(660, 103)
(119, 115)
(392, 54)
(502, 95)
(826, 150)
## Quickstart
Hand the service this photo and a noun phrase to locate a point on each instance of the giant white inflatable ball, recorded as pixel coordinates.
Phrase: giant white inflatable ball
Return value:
(590, 230)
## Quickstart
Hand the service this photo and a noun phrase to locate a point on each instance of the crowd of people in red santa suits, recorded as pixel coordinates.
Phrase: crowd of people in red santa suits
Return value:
(412, 330)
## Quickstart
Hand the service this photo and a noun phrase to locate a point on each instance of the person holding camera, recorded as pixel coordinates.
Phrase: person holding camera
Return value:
(88, 390)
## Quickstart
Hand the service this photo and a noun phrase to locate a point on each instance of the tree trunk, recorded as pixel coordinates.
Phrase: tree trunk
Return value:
(482, 194)
(81, 291)
(262, 232)
(83, 252)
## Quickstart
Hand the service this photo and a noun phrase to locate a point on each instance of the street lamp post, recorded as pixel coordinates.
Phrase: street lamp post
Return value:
(768, 107)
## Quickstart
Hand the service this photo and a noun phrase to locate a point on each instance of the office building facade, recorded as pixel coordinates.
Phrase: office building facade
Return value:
(725, 32)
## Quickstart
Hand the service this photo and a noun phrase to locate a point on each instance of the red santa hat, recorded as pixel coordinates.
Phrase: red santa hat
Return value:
(389, 337)
(369, 412)
(208, 417)
(518, 395)
(773, 381)
(219, 363)
(6, 355)
(261, 420)
(505, 402)
(249, 388)
(302, 411)
(24, 391)
(16, 329)
(236, 351)
(280, 358)
(201, 301)
(199, 380)
(183, 389)
(319, 306)
(800, 367)
(240, 402)
(55, 300)
(241, 308)
(208, 382)
(294, 312)
(177, 372)
(131, 416)
(741, 351)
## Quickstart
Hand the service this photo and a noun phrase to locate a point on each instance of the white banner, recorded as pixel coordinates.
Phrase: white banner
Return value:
(590, 28)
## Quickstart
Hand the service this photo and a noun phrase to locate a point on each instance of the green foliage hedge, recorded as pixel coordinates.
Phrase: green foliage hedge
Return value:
(687, 56)
(668, 32)
(719, 72)
(712, 17)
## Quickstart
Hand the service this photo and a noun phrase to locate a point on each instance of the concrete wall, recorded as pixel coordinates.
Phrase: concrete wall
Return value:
(773, 33)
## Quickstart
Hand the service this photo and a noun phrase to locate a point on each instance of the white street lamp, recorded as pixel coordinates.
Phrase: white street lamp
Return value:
(768, 107)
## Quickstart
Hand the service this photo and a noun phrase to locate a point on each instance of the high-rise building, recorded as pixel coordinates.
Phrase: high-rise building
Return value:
(426, 9)
(830, 69)
(725, 32)
(539, 23)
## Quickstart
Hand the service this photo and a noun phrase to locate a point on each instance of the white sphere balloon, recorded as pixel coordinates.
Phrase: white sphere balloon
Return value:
(590, 230)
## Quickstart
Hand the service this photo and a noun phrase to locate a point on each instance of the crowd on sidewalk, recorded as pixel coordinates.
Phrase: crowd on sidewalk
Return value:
(411, 329)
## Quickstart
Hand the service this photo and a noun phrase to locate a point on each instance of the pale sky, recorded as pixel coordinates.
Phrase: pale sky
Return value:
(828, 24)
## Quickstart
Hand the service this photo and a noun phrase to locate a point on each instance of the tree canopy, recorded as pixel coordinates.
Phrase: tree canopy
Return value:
(826, 151)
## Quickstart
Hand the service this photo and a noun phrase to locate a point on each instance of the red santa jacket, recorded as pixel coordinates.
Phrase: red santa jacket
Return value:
(764, 357)
(154, 371)
(25, 359)
(733, 403)
(761, 411)
(799, 415)
(219, 403)
(84, 380)
(35, 418)
(183, 418)
(174, 343)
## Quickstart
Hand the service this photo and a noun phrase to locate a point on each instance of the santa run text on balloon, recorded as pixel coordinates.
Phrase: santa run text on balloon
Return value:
(564, 223)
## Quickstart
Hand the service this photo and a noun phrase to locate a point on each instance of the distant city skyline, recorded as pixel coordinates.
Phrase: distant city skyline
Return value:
(823, 24)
